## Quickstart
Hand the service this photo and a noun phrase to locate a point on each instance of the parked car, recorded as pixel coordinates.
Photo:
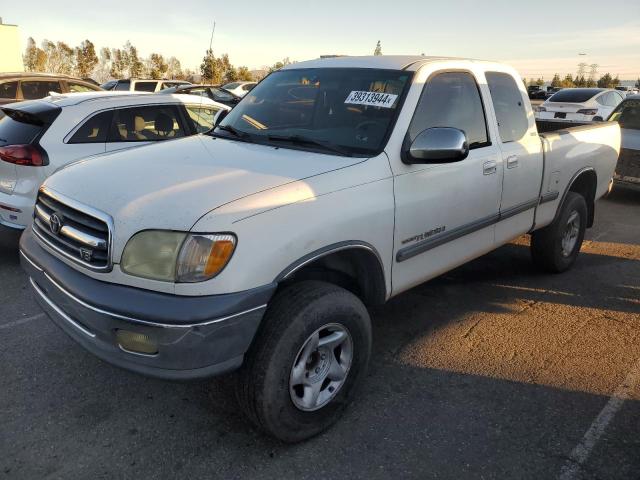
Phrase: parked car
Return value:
(535, 91)
(239, 88)
(141, 85)
(259, 246)
(39, 137)
(627, 114)
(628, 90)
(579, 105)
(15, 87)
(209, 91)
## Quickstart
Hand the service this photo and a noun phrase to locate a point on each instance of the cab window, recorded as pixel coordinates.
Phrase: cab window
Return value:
(508, 105)
(451, 99)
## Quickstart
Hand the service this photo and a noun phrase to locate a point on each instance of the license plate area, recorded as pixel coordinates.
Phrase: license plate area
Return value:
(560, 115)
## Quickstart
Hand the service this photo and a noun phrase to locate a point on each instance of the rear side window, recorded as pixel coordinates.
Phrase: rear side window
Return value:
(94, 130)
(452, 99)
(9, 90)
(145, 86)
(146, 124)
(35, 89)
(628, 115)
(508, 105)
(13, 132)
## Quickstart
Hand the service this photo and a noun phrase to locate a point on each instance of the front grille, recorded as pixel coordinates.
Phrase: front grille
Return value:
(79, 233)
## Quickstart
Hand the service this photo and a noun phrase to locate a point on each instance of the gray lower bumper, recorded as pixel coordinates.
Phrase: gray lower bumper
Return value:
(191, 350)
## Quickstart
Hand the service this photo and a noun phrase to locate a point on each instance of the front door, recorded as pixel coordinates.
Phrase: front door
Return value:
(446, 212)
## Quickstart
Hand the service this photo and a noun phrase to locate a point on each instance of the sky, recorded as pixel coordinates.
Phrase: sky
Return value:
(537, 37)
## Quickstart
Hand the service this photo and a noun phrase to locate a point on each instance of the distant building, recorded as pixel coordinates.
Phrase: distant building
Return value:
(10, 51)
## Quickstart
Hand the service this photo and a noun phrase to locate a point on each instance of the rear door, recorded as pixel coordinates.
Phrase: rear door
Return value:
(521, 152)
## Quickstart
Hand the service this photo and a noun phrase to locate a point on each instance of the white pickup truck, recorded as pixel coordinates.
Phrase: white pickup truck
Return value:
(334, 185)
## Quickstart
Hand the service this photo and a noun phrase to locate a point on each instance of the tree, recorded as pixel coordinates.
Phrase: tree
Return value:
(156, 65)
(556, 82)
(591, 82)
(86, 59)
(279, 65)
(567, 82)
(119, 63)
(616, 81)
(539, 82)
(208, 67)
(174, 69)
(378, 50)
(245, 75)
(103, 70)
(34, 58)
(580, 81)
(134, 64)
(605, 81)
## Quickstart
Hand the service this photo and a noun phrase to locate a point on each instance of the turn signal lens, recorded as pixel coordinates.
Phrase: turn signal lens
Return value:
(202, 257)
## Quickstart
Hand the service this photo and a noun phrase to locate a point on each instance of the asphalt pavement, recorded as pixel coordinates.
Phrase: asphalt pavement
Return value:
(493, 370)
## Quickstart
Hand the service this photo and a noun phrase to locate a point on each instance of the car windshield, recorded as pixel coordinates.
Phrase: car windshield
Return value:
(627, 114)
(347, 111)
(575, 95)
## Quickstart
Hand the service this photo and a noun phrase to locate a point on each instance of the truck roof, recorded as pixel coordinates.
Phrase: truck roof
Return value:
(388, 62)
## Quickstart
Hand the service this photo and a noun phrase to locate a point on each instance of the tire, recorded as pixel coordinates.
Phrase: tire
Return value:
(548, 250)
(266, 388)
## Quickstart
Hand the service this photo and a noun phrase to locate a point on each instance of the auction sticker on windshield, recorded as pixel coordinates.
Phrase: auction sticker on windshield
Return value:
(384, 100)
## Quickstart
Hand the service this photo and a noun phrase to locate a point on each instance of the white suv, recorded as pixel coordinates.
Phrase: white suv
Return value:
(239, 88)
(41, 136)
(139, 85)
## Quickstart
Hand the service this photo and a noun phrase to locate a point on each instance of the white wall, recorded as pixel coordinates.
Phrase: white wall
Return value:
(10, 49)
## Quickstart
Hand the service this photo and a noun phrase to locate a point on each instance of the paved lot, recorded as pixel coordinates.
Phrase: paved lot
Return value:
(491, 371)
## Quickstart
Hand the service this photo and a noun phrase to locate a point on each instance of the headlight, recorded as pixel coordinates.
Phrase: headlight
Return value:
(176, 256)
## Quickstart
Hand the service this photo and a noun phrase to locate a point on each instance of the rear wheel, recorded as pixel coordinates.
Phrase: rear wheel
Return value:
(311, 354)
(556, 247)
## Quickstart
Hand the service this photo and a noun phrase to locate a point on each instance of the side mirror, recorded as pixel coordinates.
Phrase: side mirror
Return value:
(220, 117)
(437, 145)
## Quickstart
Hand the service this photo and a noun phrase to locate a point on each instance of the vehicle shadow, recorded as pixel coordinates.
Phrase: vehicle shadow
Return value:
(411, 420)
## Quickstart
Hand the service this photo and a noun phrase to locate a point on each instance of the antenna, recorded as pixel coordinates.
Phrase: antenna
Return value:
(212, 32)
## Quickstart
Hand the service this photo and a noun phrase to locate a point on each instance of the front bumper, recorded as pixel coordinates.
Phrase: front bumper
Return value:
(196, 337)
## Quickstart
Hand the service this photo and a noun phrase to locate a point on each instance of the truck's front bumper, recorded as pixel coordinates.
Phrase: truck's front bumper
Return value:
(196, 337)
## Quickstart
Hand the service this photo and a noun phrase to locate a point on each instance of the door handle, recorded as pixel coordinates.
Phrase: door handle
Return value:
(512, 161)
(489, 167)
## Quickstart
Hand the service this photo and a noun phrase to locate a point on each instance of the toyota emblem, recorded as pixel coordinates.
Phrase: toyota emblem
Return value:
(55, 223)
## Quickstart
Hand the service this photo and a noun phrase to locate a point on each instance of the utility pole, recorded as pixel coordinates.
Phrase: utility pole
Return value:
(212, 32)
(594, 71)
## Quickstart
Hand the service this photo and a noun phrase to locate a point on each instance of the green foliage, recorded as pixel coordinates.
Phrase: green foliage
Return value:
(607, 81)
(556, 82)
(244, 74)
(279, 65)
(157, 67)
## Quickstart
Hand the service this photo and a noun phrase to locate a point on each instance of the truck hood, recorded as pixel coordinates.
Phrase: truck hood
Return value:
(171, 185)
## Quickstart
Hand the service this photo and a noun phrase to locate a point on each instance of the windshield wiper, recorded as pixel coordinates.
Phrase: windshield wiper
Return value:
(298, 140)
(233, 131)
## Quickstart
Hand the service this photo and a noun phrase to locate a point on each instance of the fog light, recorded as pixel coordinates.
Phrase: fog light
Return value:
(136, 342)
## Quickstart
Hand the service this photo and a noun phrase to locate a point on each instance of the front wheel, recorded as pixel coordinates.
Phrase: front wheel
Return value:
(555, 248)
(311, 353)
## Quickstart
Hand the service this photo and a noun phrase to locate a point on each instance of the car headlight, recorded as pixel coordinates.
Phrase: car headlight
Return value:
(177, 256)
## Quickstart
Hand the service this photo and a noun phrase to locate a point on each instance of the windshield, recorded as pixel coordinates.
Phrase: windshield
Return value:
(348, 110)
(627, 114)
